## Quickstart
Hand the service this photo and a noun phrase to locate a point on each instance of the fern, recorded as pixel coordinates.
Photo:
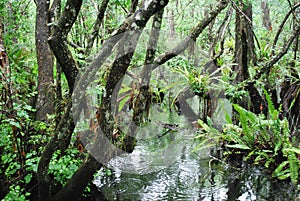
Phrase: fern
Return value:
(294, 167)
(247, 119)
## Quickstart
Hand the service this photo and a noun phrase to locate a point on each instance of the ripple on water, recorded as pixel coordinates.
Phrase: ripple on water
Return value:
(180, 174)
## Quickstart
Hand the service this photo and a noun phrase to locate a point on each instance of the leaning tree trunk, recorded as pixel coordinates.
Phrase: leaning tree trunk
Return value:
(46, 94)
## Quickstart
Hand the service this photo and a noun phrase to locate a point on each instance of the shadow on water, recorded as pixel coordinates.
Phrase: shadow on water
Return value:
(181, 174)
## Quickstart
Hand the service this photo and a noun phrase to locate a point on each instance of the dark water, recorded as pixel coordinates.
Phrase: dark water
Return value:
(168, 169)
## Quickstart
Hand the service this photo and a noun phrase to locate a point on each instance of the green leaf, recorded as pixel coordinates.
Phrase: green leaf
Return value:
(294, 168)
(14, 123)
(125, 89)
(278, 171)
(277, 147)
(203, 145)
(245, 116)
(294, 100)
(203, 125)
(293, 149)
(250, 155)
(284, 176)
(238, 146)
(228, 118)
(123, 101)
(27, 178)
(271, 109)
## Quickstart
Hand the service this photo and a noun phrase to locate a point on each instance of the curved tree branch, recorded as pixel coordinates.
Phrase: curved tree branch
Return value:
(58, 41)
(89, 73)
(76, 185)
(65, 128)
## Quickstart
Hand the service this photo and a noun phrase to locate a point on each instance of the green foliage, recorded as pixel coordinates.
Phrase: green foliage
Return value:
(235, 92)
(16, 193)
(62, 167)
(261, 140)
(198, 79)
(19, 157)
(266, 141)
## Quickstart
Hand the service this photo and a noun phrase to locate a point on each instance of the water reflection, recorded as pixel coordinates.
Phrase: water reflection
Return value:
(183, 175)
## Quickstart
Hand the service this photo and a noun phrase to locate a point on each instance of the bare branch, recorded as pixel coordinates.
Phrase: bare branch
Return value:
(280, 28)
(96, 26)
(267, 67)
(195, 32)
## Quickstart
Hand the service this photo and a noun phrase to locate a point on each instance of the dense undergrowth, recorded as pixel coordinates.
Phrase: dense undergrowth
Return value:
(263, 140)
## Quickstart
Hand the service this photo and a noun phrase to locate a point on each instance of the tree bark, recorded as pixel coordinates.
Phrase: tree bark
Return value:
(66, 126)
(144, 98)
(58, 41)
(244, 41)
(245, 54)
(46, 93)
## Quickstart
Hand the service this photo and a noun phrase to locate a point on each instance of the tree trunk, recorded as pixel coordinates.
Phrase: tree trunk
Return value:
(46, 93)
(244, 43)
(244, 53)
(266, 15)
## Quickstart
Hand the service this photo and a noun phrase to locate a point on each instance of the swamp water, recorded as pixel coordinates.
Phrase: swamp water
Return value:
(168, 168)
(165, 166)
